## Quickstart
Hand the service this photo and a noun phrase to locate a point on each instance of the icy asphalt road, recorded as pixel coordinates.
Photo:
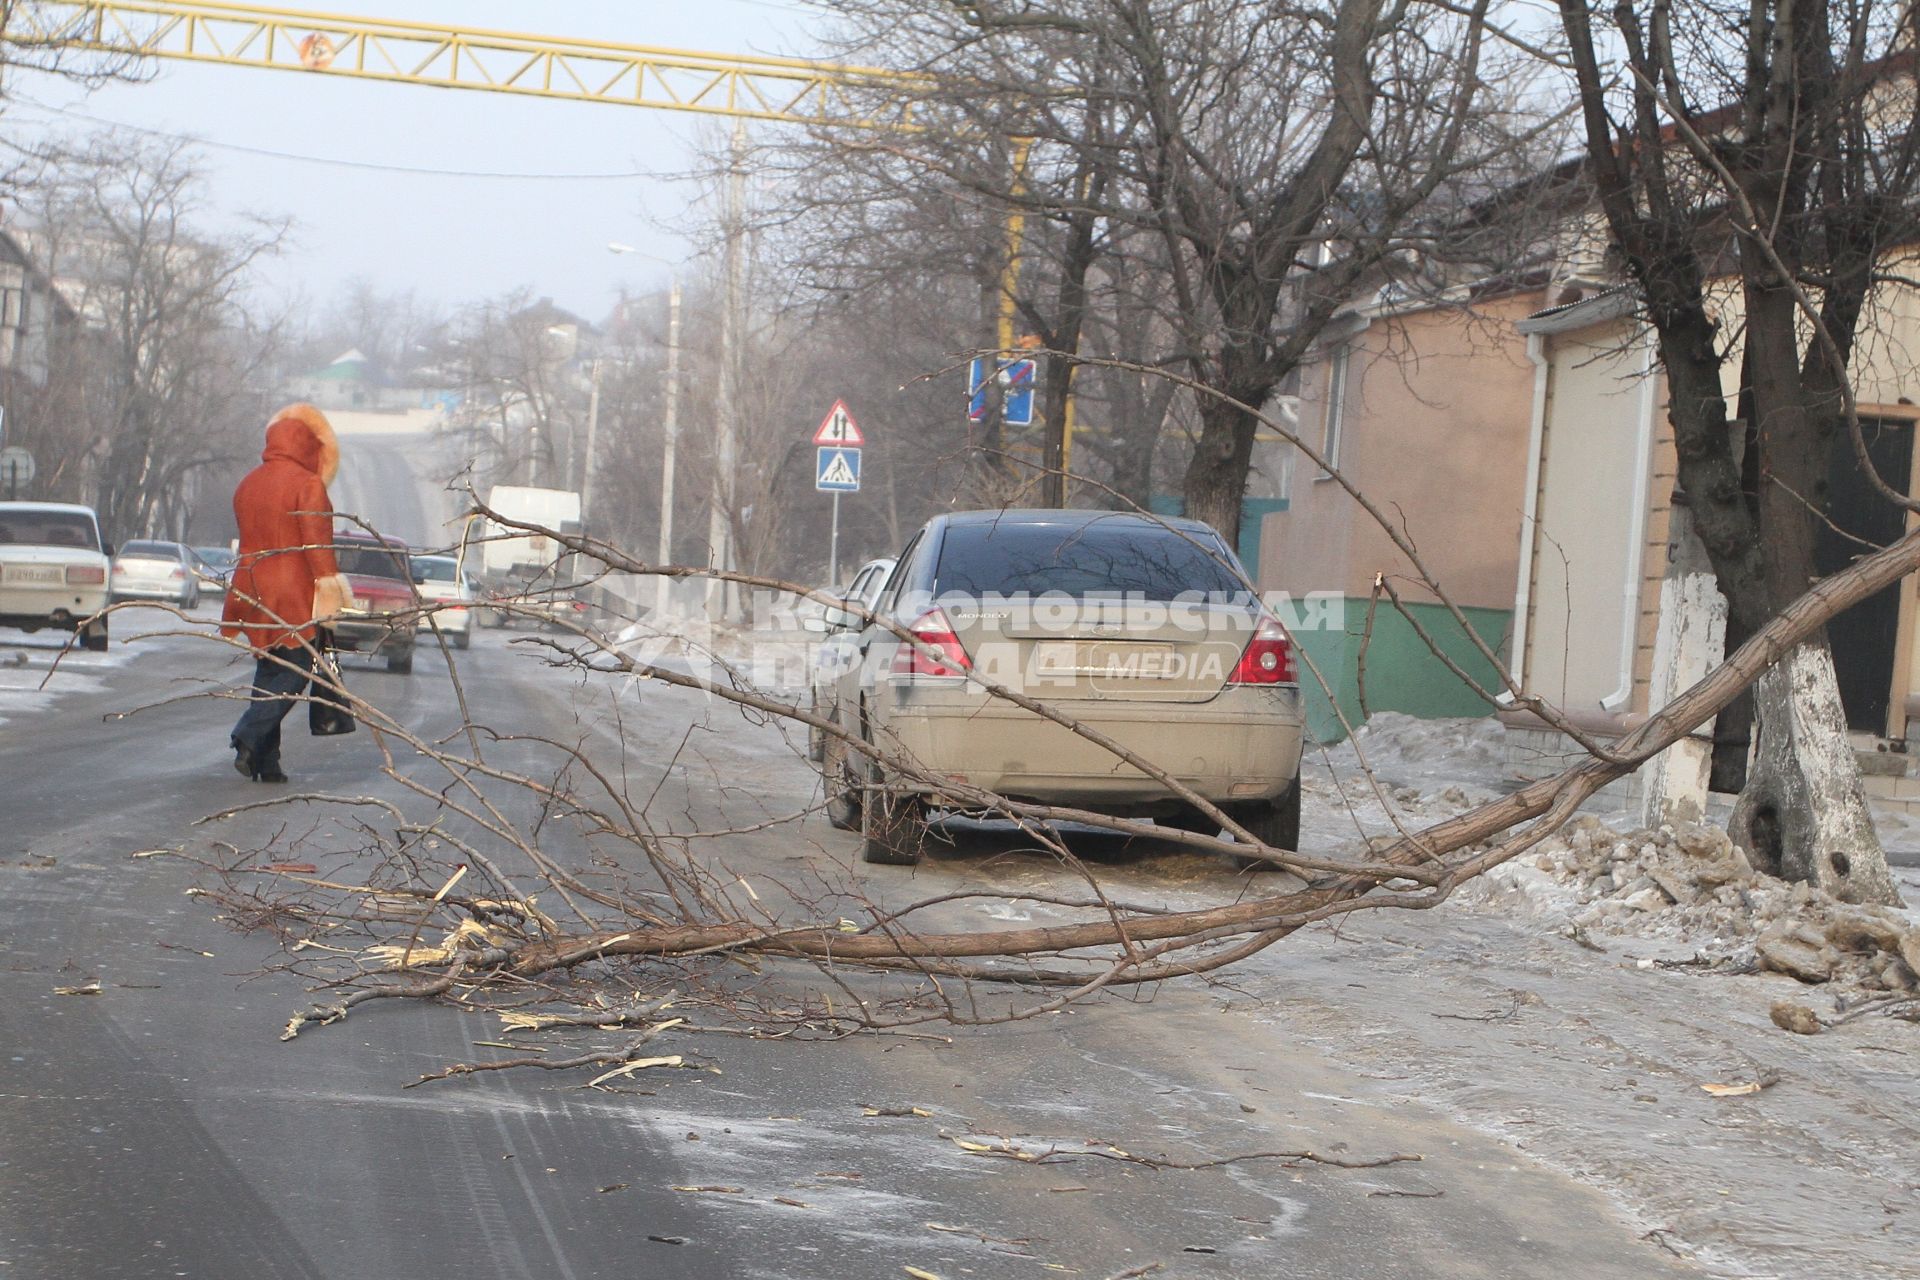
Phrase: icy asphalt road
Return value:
(160, 1128)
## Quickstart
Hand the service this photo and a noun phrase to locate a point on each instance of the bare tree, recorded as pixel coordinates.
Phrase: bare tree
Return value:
(1764, 159)
(394, 328)
(518, 361)
(1279, 154)
(174, 366)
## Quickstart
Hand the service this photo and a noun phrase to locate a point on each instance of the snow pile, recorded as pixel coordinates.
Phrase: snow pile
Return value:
(1407, 749)
(1692, 883)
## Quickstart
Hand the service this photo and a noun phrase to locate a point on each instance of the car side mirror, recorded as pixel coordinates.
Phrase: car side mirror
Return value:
(106, 549)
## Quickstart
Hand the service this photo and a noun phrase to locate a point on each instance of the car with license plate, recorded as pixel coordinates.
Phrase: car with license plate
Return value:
(148, 569)
(53, 569)
(448, 594)
(1143, 629)
(383, 619)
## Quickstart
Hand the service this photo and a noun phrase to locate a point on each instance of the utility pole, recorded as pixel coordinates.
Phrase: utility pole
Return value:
(593, 432)
(721, 596)
(663, 585)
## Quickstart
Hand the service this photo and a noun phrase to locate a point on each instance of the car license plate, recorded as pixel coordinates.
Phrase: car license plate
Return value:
(1065, 659)
(37, 574)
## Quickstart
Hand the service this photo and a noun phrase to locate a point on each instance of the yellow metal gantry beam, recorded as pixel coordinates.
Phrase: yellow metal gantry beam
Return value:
(789, 90)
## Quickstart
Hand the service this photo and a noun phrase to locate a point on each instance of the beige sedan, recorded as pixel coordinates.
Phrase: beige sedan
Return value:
(1140, 628)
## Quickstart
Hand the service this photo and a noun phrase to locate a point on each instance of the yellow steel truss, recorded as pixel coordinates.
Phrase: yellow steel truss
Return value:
(757, 88)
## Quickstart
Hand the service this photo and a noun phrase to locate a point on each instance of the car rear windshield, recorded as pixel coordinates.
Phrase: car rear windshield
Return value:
(218, 557)
(149, 550)
(370, 562)
(48, 529)
(1126, 558)
(434, 569)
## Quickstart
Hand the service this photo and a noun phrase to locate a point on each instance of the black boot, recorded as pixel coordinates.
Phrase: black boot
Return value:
(243, 761)
(269, 771)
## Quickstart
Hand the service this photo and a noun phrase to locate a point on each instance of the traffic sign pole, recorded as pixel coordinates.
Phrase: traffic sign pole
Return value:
(833, 545)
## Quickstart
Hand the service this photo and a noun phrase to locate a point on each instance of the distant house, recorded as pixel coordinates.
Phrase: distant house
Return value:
(34, 317)
(1424, 408)
(348, 381)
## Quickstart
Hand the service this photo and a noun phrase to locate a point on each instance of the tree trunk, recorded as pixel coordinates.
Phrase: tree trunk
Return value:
(1216, 480)
(1804, 815)
(1804, 812)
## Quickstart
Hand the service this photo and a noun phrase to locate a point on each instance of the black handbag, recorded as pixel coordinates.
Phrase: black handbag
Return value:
(329, 710)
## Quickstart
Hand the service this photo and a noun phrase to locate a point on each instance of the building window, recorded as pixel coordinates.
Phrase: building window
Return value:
(1336, 409)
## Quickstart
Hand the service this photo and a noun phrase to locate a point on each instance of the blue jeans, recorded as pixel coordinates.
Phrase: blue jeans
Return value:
(276, 689)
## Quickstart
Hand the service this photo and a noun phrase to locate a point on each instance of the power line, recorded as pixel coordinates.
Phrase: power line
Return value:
(371, 166)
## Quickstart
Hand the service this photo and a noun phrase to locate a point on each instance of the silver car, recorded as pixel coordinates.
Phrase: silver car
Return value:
(1139, 628)
(839, 648)
(149, 570)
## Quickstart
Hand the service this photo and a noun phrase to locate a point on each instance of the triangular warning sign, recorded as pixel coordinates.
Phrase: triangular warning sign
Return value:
(838, 473)
(838, 427)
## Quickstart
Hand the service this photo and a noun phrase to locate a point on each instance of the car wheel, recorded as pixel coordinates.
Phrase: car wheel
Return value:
(463, 639)
(1276, 824)
(842, 786)
(892, 826)
(94, 637)
(401, 663)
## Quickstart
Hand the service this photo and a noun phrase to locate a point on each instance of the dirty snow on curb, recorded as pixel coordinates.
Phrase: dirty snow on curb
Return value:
(35, 671)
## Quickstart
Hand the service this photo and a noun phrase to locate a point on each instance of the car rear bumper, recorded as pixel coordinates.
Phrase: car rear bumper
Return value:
(48, 606)
(1243, 745)
(452, 621)
(370, 635)
(152, 591)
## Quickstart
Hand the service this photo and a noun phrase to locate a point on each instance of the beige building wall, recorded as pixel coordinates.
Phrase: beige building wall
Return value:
(1434, 431)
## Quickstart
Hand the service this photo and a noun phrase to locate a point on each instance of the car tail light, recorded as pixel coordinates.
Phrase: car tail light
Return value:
(85, 575)
(119, 568)
(1268, 658)
(944, 655)
(178, 573)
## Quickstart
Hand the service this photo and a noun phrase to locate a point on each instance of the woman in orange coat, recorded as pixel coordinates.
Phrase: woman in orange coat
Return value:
(287, 578)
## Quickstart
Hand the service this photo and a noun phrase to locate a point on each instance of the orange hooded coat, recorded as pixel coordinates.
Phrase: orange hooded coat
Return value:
(287, 577)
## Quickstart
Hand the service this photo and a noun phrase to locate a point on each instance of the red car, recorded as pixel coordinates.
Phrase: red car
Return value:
(385, 609)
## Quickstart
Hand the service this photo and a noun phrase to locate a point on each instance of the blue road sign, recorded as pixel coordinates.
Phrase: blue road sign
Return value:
(1019, 375)
(836, 470)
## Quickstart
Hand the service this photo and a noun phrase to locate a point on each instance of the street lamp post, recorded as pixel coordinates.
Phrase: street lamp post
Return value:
(593, 433)
(663, 584)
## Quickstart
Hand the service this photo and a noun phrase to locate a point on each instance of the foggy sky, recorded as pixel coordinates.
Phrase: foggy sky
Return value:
(450, 239)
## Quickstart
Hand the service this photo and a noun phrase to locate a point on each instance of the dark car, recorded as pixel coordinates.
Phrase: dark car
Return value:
(385, 611)
(214, 566)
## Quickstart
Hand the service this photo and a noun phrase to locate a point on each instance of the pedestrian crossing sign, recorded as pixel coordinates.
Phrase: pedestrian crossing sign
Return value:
(836, 470)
